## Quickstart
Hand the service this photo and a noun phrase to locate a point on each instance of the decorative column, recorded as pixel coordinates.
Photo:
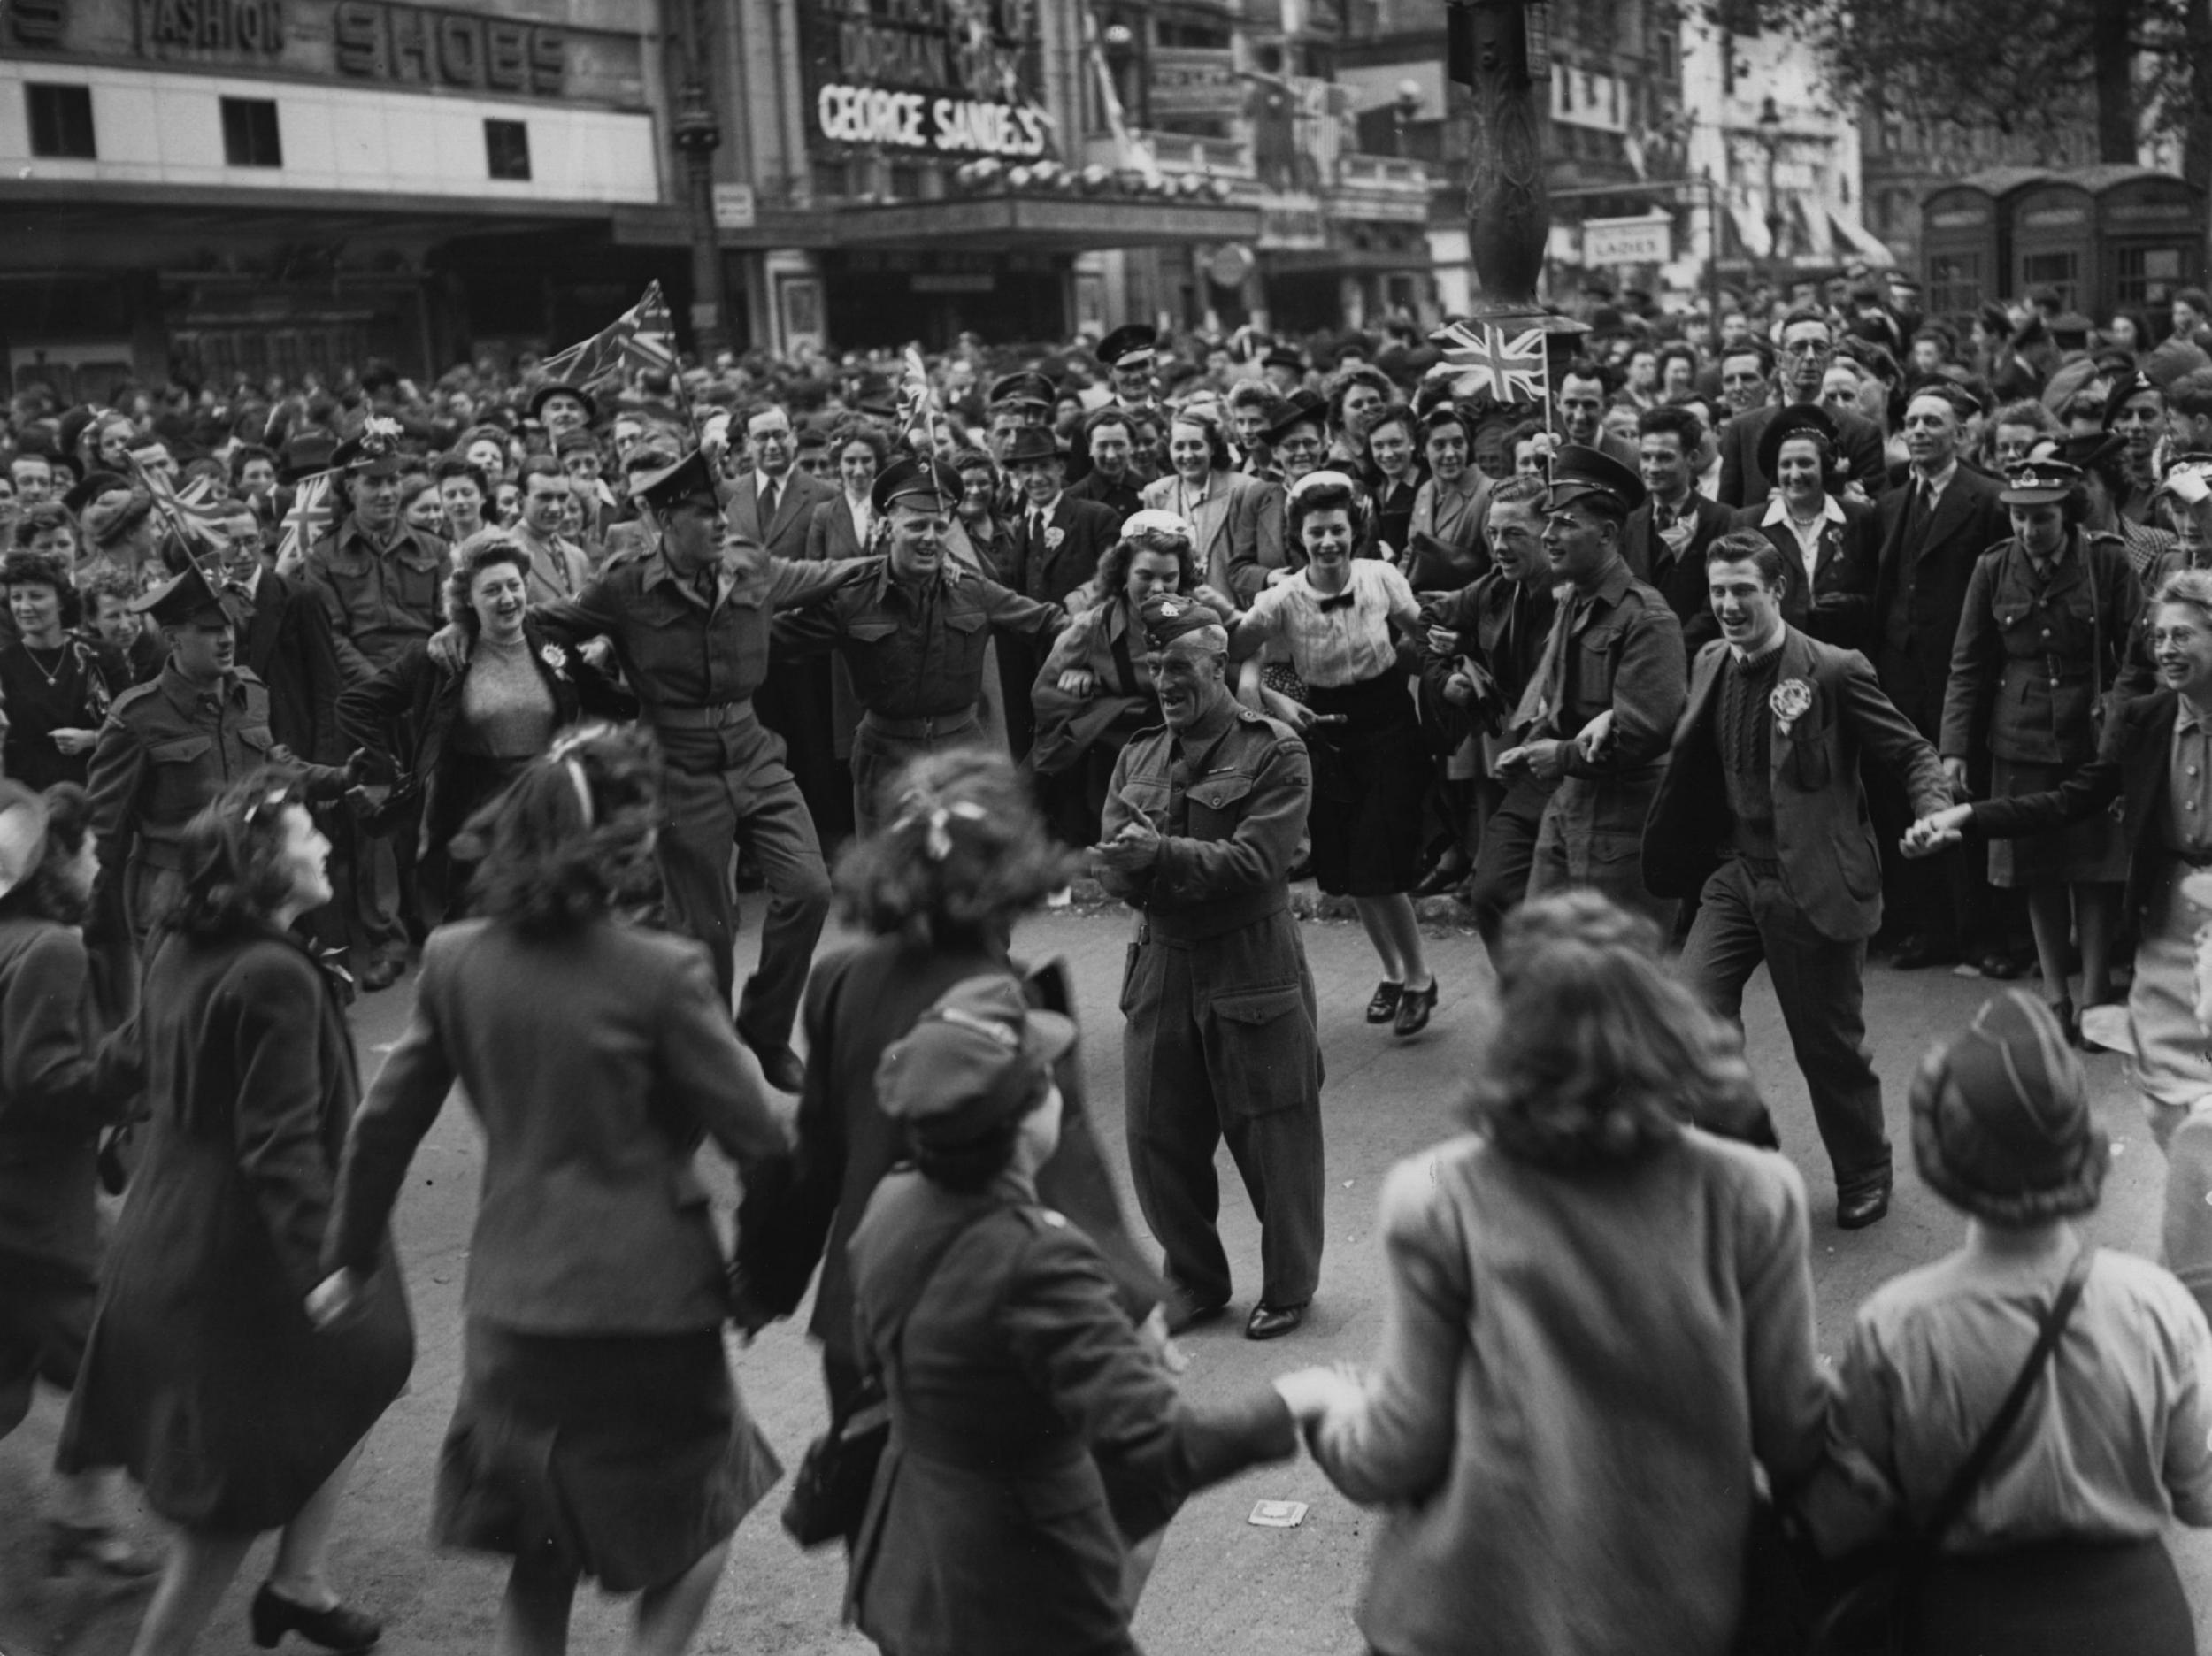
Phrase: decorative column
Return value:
(1501, 50)
(697, 134)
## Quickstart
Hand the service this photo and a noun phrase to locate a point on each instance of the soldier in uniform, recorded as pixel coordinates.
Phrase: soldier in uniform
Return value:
(1201, 825)
(913, 628)
(689, 623)
(1601, 708)
(168, 748)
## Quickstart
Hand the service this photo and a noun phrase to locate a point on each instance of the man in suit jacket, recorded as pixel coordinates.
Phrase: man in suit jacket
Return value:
(1056, 543)
(1809, 347)
(1934, 531)
(1762, 817)
(772, 503)
(1667, 535)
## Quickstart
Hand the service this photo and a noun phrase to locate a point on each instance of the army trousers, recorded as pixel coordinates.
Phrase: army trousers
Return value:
(1220, 1043)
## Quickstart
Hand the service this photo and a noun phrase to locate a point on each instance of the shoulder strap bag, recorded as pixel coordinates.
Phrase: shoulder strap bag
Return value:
(1873, 1617)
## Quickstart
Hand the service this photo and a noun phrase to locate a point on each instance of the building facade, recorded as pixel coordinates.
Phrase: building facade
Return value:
(217, 188)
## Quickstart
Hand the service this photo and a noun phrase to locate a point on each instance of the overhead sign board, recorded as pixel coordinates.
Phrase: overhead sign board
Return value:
(1645, 241)
(924, 77)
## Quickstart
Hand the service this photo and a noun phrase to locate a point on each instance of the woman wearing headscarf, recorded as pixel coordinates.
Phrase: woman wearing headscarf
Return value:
(57, 1095)
(597, 1431)
(2055, 1547)
(1032, 1428)
(205, 1376)
(1598, 1329)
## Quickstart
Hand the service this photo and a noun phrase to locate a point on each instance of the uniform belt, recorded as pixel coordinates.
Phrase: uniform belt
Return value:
(1204, 921)
(715, 715)
(919, 729)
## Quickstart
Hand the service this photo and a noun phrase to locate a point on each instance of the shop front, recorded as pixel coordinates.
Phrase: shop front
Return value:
(279, 188)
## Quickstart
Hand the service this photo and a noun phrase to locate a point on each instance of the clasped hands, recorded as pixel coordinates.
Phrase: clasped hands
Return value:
(1133, 849)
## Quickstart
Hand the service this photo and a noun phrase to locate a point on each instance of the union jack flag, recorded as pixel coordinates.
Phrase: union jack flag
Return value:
(1511, 365)
(641, 337)
(307, 523)
(192, 513)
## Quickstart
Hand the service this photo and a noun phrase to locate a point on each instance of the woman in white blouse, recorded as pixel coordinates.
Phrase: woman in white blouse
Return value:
(2058, 1548)
(1340, 618)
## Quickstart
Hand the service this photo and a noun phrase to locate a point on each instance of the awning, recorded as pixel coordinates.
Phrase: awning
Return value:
(1860, 240)
(1036, 224)
(1751, 231)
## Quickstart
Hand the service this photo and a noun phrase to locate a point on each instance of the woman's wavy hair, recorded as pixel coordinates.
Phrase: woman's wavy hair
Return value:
(573, 837)
(2191, 586)
(858, 428)
(38, 569)
(1215, 433)
(1598, 1057)
(1113, 569)
(484, 549)
(232, 878)
(961, 852)
(45, 515)
(47, 895)
(1349, 499)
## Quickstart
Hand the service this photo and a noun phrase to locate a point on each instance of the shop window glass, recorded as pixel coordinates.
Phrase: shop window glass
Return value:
(507, 149)
(61, 121)
(2147, 277)
(249, 133)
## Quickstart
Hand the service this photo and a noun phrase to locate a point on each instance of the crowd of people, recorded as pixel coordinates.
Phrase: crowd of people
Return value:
(1732, 654)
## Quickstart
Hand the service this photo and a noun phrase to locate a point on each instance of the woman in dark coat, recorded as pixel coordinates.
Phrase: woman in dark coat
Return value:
(56, 686)
(204, 1376)
(55, 1097)
(1031, 1429)
(464, 735)
(597, 1432)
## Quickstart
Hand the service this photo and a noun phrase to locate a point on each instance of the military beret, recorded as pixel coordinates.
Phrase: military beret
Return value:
(912, 480)
(1169, 617)
(1577, 472)
(374, 453)
(2128, 386)
(978, 1058)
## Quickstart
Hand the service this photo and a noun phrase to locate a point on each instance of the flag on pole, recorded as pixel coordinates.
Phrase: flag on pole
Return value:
(193, 515)
(641, 337)
(307, 523)
(1507, 356)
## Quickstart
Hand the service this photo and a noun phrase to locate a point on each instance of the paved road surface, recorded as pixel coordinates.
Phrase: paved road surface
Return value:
(1221, 1584)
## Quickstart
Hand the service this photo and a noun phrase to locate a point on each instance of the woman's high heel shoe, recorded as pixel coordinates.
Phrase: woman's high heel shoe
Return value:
(341, 1628)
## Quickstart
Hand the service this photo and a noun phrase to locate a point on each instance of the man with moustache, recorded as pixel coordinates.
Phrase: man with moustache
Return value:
(1809, 349)
(1763, 819)
(1202, 823)
(912, 629)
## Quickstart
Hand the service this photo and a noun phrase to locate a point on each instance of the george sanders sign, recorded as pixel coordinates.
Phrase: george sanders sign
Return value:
(931, 77)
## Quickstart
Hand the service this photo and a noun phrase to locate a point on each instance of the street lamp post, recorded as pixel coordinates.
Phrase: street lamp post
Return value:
(1771, 140)
(697, 134)
(1500, 50)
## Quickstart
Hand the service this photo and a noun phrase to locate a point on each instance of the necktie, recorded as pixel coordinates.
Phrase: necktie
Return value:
(767, 503)
(1922, 509)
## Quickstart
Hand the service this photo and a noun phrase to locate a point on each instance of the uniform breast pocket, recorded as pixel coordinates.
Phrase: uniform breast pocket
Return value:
(1599, 646)
(1266, 1037)
(871, 635)
(174, 773)
(1216, 806)
(259, 739)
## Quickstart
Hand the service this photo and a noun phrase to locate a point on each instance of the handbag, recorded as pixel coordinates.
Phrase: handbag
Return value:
(1870, 1618)
(830, 1491)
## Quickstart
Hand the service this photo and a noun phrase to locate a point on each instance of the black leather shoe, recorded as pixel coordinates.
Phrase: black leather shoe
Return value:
(782, 1068)
(1413, 1006)
(1856, 1209)
(1268, 1322)
(1996, 963)
(1184, 1313)
(1916, 952)
(341, 1628)
(1384, 1007)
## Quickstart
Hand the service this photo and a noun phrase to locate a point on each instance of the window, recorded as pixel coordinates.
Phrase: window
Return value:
(2061, 271)
(249, 133)
(61, 121)
(1954, 284)
(2147, 277)
(507, 149)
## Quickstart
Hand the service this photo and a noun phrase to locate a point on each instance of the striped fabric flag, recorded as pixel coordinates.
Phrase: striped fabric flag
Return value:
(307, 523)
(643, 336)
(1503, 355)
(193, 514)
